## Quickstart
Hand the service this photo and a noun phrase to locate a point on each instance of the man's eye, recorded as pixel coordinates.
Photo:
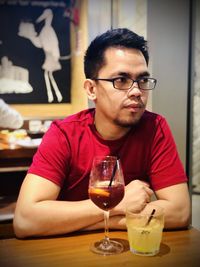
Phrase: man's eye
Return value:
(144, 80)
(121, 80)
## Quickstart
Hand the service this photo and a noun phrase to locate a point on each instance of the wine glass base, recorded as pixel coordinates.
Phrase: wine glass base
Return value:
(113, 247)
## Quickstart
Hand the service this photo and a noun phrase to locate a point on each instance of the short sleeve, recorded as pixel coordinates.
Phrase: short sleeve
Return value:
(52, 157)
(166, 168)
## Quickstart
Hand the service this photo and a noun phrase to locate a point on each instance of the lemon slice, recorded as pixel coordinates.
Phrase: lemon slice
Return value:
(99, 191)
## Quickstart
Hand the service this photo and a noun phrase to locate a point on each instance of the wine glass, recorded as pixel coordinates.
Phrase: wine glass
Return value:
(106, 190)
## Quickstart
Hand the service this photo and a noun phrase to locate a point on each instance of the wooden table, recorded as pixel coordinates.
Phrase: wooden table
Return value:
(178, 248)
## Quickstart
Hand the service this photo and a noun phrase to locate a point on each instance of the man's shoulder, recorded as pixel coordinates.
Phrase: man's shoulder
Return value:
(152, 117)
(152, 122)
(83, 115)
(82, 118)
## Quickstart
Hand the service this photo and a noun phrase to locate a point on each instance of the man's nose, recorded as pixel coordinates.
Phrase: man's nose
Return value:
(134, 90)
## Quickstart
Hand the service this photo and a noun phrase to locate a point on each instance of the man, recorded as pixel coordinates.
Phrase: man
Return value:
(54, 195)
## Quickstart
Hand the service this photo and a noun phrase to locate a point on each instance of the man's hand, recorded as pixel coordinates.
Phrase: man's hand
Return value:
(137, 195)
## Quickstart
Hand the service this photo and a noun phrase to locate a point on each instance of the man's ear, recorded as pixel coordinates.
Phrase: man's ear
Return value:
(90, 88)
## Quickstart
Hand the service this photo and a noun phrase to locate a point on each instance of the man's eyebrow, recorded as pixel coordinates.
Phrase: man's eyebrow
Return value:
(144, 74)
(127, 74)
(124, 74)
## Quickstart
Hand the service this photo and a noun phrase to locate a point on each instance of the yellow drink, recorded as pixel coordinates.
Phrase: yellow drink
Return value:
(144, 238)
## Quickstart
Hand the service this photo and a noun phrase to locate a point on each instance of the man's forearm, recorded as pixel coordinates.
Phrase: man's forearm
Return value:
(56, 217)
(175, 217)
(115, 222)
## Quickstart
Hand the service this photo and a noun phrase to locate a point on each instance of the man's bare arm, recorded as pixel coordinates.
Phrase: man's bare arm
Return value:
(38, 213)
(175, 201)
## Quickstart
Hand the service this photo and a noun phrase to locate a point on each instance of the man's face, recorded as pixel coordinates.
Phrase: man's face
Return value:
(123, 108)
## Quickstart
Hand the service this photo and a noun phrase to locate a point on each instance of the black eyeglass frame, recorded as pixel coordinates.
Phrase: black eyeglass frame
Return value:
(154, 81)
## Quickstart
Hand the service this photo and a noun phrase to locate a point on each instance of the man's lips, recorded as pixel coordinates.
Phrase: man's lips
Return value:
(137, 106)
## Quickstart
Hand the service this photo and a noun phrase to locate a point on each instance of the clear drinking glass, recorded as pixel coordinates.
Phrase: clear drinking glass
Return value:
(106, 190)
(145, 230)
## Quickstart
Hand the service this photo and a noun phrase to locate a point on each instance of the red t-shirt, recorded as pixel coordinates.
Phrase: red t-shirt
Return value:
(147, 152)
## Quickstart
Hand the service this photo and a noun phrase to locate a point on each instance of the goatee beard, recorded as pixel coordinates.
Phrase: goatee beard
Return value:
(126, 124)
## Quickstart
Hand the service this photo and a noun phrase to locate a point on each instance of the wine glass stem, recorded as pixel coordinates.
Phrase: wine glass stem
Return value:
(106, 240)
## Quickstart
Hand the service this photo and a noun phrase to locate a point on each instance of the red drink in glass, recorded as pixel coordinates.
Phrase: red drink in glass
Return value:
(106, 190)
(106, 197)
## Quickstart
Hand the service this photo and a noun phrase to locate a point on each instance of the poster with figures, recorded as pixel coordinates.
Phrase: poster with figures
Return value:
(35, 55)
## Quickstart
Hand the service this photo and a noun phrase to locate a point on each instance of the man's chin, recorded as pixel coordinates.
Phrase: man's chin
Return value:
(128, 120)
(127, 123)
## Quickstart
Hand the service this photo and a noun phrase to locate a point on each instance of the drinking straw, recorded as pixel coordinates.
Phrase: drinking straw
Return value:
(113, 173)
(150, 217)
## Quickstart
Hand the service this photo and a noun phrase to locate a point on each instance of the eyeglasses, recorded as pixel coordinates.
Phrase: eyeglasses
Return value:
(124, 83)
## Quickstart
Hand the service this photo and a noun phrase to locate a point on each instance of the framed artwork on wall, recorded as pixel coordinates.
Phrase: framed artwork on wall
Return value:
(35, 56)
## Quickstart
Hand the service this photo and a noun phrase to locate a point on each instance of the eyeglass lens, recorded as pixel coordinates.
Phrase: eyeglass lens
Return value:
(127, 83)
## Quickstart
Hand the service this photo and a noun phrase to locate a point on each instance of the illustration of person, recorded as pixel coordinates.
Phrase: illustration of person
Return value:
(48, 41)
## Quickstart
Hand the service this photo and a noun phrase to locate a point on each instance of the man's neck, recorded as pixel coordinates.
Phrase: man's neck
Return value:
(110, 131)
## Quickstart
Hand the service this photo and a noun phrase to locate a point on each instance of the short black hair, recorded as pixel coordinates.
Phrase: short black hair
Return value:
(121, 37)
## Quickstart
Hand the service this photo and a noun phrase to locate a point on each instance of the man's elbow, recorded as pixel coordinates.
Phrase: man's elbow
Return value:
(181, 220)
(186, 218)
(22, 225)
